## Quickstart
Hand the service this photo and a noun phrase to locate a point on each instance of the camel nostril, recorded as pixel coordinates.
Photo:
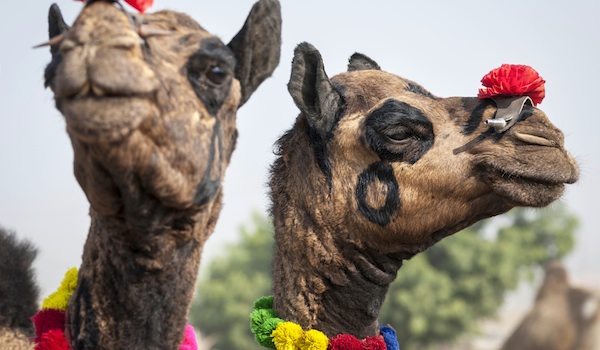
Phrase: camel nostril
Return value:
(145, 31)
(535, 140)
(97, 91)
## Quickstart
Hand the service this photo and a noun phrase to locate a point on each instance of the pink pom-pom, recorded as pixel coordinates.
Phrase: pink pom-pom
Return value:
(189, 339)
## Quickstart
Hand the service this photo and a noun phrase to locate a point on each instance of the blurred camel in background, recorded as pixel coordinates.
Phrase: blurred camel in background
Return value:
(563, 317)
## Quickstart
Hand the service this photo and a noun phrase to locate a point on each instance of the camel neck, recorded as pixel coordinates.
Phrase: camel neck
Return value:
(334, 286)
(133, 294)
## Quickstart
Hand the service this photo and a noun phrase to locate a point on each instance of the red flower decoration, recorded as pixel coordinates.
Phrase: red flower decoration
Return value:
(140, 5)
(513, 80)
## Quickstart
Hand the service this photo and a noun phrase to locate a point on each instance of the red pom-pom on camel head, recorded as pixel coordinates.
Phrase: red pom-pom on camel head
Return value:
(513, 80)
(140, 5)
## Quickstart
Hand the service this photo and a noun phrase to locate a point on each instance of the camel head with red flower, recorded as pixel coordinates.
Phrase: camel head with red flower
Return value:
(150, 103)
(376, 169)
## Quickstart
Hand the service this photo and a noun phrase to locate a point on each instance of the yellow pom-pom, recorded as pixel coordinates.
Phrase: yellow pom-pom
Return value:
(287, 336)
(314, 340)
(56, 301)
(60, 299)
(69, 282)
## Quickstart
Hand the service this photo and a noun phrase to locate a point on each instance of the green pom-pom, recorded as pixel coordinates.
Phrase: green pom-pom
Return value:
(259, 316)
(264, 303)
(263, 333)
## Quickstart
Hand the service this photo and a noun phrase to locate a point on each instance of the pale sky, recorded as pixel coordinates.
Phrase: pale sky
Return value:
(446, 46)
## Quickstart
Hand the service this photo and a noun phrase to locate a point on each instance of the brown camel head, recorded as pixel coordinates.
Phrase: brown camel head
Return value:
(150, 105)
(402, 167)
(150, 101)
(377, 169)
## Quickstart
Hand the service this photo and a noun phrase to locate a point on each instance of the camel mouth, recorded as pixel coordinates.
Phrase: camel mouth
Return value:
(92, 104)
(528, 192)
(97, 93)
(532, 172)
(531, 166)
(118, 76)
(106, 118)
(535, 185)
(539, 172)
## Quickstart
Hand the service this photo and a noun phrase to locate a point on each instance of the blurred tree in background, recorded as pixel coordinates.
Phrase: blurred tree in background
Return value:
(438, 296)
(231, 284)
(442, 293)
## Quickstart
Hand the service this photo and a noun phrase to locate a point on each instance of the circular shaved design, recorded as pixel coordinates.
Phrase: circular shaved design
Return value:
(378, 174)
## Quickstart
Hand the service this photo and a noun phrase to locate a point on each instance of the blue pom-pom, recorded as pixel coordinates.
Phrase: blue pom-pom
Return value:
(389, 336)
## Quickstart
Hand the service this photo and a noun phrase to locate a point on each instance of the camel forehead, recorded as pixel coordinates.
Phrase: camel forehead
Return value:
(107, 12)
(372, 92)
(172, 20)
(185, 30)
(363, 90)
(367, 91)
(103, 21)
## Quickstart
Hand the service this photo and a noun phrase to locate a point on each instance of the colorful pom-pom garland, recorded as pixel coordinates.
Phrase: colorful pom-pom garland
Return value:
(274, 333)
(50, 321)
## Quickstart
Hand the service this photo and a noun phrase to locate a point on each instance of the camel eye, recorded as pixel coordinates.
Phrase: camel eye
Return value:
(210, 74)
(216, 75)
(398, 132)
(398, 135)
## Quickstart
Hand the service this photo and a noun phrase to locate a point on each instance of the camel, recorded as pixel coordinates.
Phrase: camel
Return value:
(18, 291)
(563, 317)
(150, 104)
(377, 169)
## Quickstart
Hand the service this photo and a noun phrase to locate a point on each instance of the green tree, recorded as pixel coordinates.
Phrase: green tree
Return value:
(441, 294)
(438, 296)
(231, 284)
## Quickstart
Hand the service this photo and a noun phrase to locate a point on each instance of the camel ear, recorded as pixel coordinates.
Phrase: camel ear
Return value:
(257, 46)
(56, 25)
(358, 61)
(312, 91)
